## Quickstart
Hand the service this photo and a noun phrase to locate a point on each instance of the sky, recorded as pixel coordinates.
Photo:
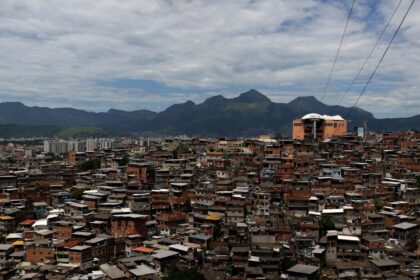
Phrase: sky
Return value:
(147, 54)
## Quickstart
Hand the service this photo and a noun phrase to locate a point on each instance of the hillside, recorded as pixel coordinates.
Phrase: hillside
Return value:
(250, 113)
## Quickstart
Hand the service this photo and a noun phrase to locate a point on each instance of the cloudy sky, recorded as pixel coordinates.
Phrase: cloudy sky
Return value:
(103, 54)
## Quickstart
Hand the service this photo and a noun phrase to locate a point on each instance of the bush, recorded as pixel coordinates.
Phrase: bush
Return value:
(124, 160)
(379, 204)
(76, 193)
(287, 263)
(90, 164)
(327, 223)
(185, 274)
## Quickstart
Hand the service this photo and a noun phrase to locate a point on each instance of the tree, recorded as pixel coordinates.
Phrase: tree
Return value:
(76, 193)
(49, 157)
(186, 207)
(379, 204)
(287, 263)
(124, 160)
(185, 274)
(327, 223)
(278, 135)
(11, 160)
(90, 164)
(418, 181)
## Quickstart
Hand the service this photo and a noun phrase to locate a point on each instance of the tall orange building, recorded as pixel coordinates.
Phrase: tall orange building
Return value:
(313, 126)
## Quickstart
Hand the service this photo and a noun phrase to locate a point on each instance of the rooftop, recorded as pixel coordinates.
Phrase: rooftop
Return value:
(303, 269)
(142, 270)
(322, 117)
(405, 226)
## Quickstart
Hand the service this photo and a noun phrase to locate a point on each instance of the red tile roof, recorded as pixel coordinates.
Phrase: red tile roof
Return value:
(27, 222)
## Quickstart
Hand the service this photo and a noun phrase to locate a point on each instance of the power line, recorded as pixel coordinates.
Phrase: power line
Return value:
(370, 54)
(380, 61)
(338, 50)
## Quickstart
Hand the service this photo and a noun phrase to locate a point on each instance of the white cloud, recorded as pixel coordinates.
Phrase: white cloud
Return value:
(53, 53)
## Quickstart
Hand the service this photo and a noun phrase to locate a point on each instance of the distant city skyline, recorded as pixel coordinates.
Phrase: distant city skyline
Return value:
(96, 55)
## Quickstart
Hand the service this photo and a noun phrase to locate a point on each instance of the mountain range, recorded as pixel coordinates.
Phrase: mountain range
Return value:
(248, 114)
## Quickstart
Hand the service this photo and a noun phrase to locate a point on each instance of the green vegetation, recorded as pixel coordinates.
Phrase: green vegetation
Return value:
(27, 131)
(327, 223)
(185, 274)
(49, 157)
(17, 131)
(287, 263)
(28, 142)
(187, 207)
(76, 193)
(249, 114)
(418, 181)
(11, 160)
(379, 204)
(278, 135)
(124, 160)
(90, 164)
(83, 131)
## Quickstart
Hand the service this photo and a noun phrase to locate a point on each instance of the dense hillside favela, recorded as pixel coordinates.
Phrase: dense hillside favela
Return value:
(324, 203)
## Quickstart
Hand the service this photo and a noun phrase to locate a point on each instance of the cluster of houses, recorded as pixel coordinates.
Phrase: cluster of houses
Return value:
(345, 207)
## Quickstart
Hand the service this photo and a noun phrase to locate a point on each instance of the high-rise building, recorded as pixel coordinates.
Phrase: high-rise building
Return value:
(91, 145)
(106, 143)
(77, 146)
(55, 146)
(46, 146)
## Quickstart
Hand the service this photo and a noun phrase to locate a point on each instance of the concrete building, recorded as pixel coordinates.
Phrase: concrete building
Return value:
(81, 255)
(301, 271)
(5, 251)
(55, 146)
(76, 146)
(91, 145)
(313, 126)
